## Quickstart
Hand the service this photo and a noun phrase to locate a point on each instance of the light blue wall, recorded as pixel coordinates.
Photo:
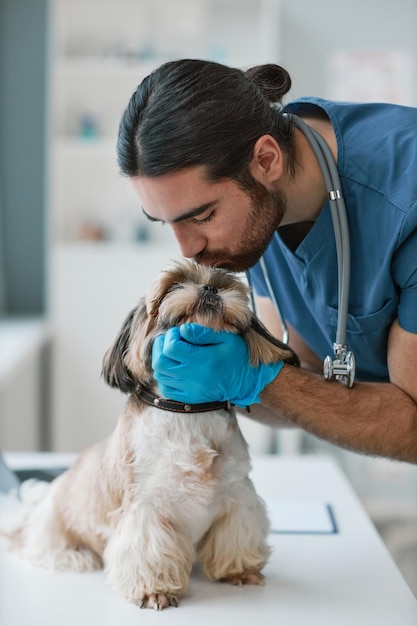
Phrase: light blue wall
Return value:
(22, 153)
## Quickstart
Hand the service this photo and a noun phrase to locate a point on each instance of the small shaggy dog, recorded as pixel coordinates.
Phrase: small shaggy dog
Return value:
(170, 485)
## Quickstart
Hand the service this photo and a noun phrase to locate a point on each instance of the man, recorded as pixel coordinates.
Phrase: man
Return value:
(210, 154)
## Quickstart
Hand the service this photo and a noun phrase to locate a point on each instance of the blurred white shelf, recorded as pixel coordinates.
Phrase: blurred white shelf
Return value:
(22, 343)
(20, 339)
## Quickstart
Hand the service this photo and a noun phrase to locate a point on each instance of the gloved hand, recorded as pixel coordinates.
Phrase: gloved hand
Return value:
(195, 364)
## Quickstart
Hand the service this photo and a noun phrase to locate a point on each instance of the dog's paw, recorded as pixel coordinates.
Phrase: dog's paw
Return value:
(158, 601)
(245, 578)
(82, 560)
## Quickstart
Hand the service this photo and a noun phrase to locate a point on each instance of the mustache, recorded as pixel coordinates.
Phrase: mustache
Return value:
(227, 261)
(212, 259)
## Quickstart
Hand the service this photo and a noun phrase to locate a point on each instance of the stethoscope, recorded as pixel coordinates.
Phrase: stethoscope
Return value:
(343, 366)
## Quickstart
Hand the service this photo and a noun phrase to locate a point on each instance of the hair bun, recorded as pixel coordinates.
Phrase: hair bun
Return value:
(273, 80)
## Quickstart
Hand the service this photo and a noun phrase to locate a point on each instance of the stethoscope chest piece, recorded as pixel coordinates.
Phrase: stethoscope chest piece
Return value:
(342, 368)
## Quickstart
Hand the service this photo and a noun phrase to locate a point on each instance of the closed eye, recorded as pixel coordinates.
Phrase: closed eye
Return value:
(152, 219)
(206, 209)
(203, 220)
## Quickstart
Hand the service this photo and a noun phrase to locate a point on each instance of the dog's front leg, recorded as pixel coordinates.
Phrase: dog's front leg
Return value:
(147, 560)
(234, 549)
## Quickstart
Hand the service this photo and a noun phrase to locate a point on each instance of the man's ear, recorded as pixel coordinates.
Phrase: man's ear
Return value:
(267, 163)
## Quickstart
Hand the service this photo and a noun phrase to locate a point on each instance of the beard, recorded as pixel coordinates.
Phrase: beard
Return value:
(267, 208)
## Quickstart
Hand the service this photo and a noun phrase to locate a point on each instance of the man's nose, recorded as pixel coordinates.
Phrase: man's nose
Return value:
(190, 243)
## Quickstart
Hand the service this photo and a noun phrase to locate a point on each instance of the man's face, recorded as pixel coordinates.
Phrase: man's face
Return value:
(215, 223)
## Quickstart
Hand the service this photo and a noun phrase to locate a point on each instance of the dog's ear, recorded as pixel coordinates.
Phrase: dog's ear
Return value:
(159, 289)
(264, 347)
(115, 372)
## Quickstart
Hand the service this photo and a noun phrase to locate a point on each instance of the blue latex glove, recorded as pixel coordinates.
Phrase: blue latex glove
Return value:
(195, 364)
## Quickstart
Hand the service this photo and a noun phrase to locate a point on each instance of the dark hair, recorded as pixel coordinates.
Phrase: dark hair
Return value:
(188, 113)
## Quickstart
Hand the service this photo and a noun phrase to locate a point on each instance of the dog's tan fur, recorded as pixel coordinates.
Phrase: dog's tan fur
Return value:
(165, 489)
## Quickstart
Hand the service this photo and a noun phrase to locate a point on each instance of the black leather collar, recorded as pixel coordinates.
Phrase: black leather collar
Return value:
(178, 407)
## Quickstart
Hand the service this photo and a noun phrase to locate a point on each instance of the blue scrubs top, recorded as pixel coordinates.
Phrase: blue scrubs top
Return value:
(377, 163)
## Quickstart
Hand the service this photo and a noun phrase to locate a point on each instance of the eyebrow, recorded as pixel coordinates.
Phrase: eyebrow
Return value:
(184, 216)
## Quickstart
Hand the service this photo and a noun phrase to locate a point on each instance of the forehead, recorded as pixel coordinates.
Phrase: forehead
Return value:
(169, 196)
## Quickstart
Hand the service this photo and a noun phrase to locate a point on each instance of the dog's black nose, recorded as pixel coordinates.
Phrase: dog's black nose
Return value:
(209, 288)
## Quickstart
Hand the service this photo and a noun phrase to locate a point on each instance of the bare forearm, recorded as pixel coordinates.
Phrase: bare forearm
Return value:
(373, 418)
(261, 413)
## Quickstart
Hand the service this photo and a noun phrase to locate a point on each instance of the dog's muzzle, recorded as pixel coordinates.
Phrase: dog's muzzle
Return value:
(209, 298)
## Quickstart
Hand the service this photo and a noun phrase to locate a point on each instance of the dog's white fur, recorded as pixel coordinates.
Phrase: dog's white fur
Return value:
(165, 489)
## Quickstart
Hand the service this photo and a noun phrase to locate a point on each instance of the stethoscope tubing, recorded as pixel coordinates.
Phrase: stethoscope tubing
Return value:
(337, 205)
